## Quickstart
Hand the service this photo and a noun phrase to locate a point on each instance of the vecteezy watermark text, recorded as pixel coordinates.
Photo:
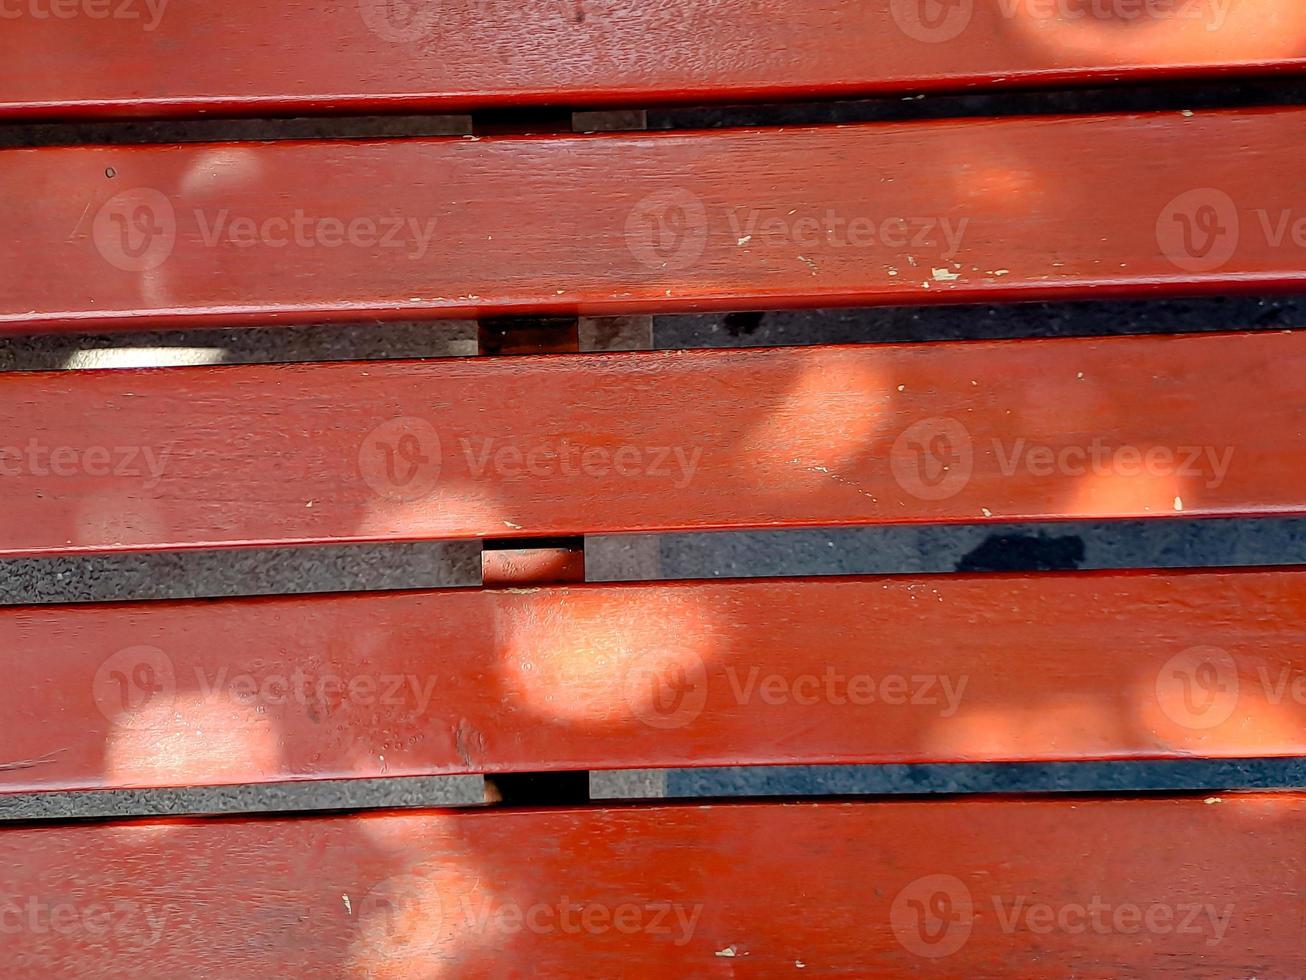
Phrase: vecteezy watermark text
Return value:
(668, 230)
(939, 21)
(149, 12)
(35, 458)
(408, 910)
(302, 230)
(121, 923)
(570, 918)
(934, 459)
(402, 459)
(137, 230)
(669, 689)
(141, 677)
(565, 458)
(934, 915)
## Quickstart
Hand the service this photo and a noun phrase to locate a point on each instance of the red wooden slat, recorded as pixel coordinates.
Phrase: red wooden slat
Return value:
(150, 57)
(934, 669)
(580, 444)
(945, 211)
(1031, 888)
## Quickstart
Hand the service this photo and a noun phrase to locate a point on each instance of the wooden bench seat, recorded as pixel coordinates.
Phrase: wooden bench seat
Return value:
(595, 444)
(1185, 887)
(927, 669)
(139, 57)
(945, 211)
(537, 679)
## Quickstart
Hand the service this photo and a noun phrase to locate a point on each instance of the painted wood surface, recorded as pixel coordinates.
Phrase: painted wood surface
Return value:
(1038, 888)
(947, 211)
(926, 669)
(119, 460)
(152, 57)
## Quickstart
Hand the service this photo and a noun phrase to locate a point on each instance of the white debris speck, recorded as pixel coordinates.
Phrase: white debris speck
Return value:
(800, 964)
(902, 387)
(348, 907)
(986, 512)
(1186, 113)
(1178, 503)
(728, 951)
(309, 505)
(745, 240)
(1080, 376)
(944, 275)
(515, 527)
(1211, 800)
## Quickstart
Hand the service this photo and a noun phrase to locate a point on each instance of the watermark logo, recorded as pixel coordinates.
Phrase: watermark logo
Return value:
(300, 229)
(35, 458)
(673, 920)
(122, 924)
(1113, 13)
(149, 12)
(1198, 231)
(939, 692)
(402, 912)
(933, 459)
(667, 230)
(1198, 688)
(133, 680)
(932, 917)
(1205, 464)
(932, 21)
(938, 21)
(666, 689)
(319, 694)
(675, 464)
(1103, 918)
(401, 459)
(829, 229)
(136, 231)
(398, 21)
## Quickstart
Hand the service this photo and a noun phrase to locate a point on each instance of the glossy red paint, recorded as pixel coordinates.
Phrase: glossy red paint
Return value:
(532, 566)
(583, 444)
(930, 669)
(1034, 887)
(947, 211)
(144, 57)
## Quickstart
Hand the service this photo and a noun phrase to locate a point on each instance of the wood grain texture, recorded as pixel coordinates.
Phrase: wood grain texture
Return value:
(1036, 888)
(950, 211)
(149, 57)
(934, 669)
(587, 444)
